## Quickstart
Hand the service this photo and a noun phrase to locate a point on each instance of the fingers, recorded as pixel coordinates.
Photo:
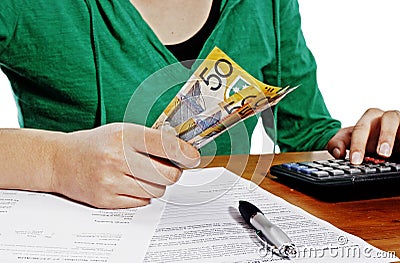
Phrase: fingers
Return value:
(151, 169)
(339, 151)
(361, 134)
(389, 128)
(122, 201)
(338, 144)
(160, 144)
(135, 187)
(148, 168)
(375, 132)
(120, 165)
(120, 190)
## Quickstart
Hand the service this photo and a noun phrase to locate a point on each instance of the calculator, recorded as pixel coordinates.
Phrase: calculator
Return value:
(339, 180)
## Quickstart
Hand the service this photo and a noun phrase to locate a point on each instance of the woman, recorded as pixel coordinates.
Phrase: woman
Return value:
(74, 65)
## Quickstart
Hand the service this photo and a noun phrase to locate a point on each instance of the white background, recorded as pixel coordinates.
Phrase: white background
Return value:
(357, 47)
(356, 44)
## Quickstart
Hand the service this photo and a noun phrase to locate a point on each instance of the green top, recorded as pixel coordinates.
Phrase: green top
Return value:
(74, 64)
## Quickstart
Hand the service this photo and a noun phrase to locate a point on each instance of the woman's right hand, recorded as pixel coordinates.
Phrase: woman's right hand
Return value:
(118, 165)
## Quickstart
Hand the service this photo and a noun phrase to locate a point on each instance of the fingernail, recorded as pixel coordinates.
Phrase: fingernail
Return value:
(192, 158)
(198, 162)
(356, 158)
(384, 149)
(168, 129)
(336, 153)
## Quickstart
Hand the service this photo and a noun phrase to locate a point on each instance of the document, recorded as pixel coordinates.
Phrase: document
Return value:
(39, 227)
(197, 220)
(201, 223)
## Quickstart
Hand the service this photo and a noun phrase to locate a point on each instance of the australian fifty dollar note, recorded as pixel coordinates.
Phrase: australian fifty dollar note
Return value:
(218, 95)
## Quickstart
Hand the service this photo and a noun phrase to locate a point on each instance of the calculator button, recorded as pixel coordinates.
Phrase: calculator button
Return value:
(325, 168)
(289, 165)
(368, 170)
(320, 174)
(373, 160)
(368, 159)
(334, 165)
(384, 169)
(313, 165)
(323, 162)
(300, 167)
(309, 170)
(336, 172)
(395, 166)
(286, 165)
(341, 173)
(352, 171)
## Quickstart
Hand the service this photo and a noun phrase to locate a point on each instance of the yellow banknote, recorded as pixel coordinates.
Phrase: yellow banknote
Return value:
(217, 96)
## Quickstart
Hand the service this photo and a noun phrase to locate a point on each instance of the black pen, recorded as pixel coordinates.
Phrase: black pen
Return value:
(271, 235)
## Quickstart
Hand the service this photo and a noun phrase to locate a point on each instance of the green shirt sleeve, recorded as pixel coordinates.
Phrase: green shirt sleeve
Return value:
(8, 22)
(303, 121)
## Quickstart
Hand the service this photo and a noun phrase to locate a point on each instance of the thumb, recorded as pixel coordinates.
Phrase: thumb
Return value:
(338, 144)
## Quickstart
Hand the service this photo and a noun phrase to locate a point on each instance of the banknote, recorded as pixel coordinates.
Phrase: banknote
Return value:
(246, 108)
(218, 95)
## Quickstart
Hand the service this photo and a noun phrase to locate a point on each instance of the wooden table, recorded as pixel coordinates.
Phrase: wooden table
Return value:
(377, 221)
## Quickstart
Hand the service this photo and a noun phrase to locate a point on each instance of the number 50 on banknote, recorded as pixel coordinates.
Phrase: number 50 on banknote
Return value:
(218, 95)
